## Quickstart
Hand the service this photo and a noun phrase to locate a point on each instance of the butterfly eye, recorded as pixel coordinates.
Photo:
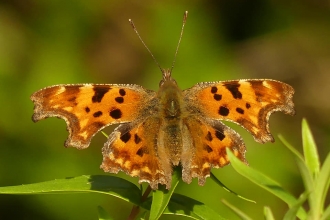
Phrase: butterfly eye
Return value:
(161, 83)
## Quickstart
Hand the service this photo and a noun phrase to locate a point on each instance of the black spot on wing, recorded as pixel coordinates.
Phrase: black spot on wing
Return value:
(214, 89)
(125, 137)
(122, 92)
(209, 136)
(247, 105)
(116, 113)
(224, 111)
(220, 135)
(217, 97)
(119, 99)
(239, 110)
(140, 152)
(99, 92)
(87, 110)
(97, 114)
(233, 89)
(208, 148)
(137, 139)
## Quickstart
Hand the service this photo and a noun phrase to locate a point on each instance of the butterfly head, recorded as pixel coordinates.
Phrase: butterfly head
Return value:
(167, 78)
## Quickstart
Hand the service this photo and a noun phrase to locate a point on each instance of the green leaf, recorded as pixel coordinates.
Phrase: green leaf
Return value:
(306, 175)
(103, 215)
(291, 214)
(322, 185)
(162, 196)
(308, 181)
(104, 184)
(217, 181)
(310, 150)
(268, 213)
(185, 206)
(237, 211)
(264, 182)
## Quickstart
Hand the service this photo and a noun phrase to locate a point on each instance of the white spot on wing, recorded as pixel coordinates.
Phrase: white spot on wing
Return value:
(68, 109)
(60, 90)
(83, 123)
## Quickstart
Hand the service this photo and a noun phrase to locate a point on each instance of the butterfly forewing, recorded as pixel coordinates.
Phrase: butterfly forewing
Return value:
(87, 108)
(248, 103)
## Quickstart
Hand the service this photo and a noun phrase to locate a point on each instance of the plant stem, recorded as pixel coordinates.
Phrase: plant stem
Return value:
(135, 210)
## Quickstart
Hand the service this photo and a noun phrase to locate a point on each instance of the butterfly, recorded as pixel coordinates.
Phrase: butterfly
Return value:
(167, 128)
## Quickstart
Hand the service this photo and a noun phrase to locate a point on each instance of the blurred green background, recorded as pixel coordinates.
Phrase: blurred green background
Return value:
(43, 43)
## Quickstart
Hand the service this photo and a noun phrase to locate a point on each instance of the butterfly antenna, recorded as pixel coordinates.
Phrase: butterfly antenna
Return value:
(185, 15)
(137, 33)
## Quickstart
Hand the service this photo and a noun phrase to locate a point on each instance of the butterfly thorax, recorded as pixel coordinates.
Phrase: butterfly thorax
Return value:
(171, 99)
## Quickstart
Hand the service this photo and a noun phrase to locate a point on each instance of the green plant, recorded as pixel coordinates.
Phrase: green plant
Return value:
(164, 201)
(316, 180)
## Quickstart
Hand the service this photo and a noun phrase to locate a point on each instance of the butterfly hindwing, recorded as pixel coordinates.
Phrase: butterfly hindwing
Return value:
(248, 103)
(135, 149)
(87, 108)
(205, 143)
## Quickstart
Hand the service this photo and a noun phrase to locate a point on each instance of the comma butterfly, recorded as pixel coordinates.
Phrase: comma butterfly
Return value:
(163, 129)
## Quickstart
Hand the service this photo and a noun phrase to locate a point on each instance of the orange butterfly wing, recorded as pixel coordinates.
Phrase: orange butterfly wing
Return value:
(135, 149)
(87, 108)
(205, 143)
(248, 103)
